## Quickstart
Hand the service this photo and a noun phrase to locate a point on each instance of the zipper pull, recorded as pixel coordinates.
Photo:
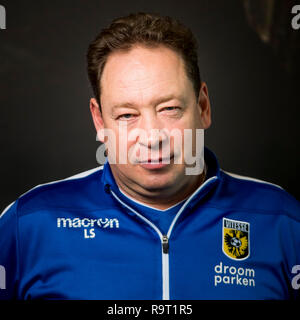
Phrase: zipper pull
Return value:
(165, 244)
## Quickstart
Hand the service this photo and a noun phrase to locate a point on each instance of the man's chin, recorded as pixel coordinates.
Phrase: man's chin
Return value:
(157, 184)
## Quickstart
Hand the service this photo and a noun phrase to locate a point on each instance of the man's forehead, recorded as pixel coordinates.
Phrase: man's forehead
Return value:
(150, 74)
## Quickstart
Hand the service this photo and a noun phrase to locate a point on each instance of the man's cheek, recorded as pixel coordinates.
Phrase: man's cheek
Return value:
(122, 151)
(122, 144)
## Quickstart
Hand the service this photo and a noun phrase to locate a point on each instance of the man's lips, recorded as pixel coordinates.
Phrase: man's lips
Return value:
(153, 164)
(165, 160)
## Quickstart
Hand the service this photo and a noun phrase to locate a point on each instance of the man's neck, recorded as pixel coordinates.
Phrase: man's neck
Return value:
(163, 203)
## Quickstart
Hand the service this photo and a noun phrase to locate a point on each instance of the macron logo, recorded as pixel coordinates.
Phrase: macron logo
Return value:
(89, 225)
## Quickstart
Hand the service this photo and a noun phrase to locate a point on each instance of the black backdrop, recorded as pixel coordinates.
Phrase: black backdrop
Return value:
(47, 131)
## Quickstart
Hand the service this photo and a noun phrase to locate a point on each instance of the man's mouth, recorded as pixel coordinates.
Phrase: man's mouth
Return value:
(156, 163)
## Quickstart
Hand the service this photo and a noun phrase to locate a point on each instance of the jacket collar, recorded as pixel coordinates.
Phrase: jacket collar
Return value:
(212, 178)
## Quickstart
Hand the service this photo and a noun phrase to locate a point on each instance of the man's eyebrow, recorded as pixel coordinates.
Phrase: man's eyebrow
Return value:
(123, 105)
(166, 98)
(155, 101)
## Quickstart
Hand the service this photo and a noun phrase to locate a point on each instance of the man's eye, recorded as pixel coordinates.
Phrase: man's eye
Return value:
(170, 108)
(125, 116)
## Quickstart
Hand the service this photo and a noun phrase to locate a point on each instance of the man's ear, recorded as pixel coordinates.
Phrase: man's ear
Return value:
(204, 105)
(97, 118)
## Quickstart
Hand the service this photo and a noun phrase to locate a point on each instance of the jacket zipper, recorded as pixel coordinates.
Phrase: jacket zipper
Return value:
(165, 268)
(165, 249)
(165, 244)
(165, 238)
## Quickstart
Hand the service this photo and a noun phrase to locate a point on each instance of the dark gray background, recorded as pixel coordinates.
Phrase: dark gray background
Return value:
(46, 128)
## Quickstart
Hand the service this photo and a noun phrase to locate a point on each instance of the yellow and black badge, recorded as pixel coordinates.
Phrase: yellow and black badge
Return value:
(236, 239)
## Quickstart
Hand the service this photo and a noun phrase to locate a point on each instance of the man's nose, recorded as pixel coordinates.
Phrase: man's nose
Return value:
(153, 133)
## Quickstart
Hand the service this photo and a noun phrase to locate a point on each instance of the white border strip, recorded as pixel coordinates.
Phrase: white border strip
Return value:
(187, 202)
(148, 206)
(6, 209)
(76, 176)
(237, 176)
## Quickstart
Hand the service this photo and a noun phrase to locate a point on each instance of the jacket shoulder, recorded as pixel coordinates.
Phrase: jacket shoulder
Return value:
(259, 195)
(72, 192)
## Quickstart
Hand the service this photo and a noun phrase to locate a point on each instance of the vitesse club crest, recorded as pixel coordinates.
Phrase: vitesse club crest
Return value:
(236, 239)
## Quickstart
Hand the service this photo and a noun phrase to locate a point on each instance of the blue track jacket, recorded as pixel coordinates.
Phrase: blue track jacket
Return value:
(79, 238)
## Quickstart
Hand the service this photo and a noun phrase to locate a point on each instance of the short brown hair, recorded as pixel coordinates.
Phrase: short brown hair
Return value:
(150, 30)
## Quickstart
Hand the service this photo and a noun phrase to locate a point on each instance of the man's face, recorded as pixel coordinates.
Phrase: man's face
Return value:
(147, 89)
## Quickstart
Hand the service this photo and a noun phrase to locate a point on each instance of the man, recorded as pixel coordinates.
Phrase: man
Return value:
(152, 224)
